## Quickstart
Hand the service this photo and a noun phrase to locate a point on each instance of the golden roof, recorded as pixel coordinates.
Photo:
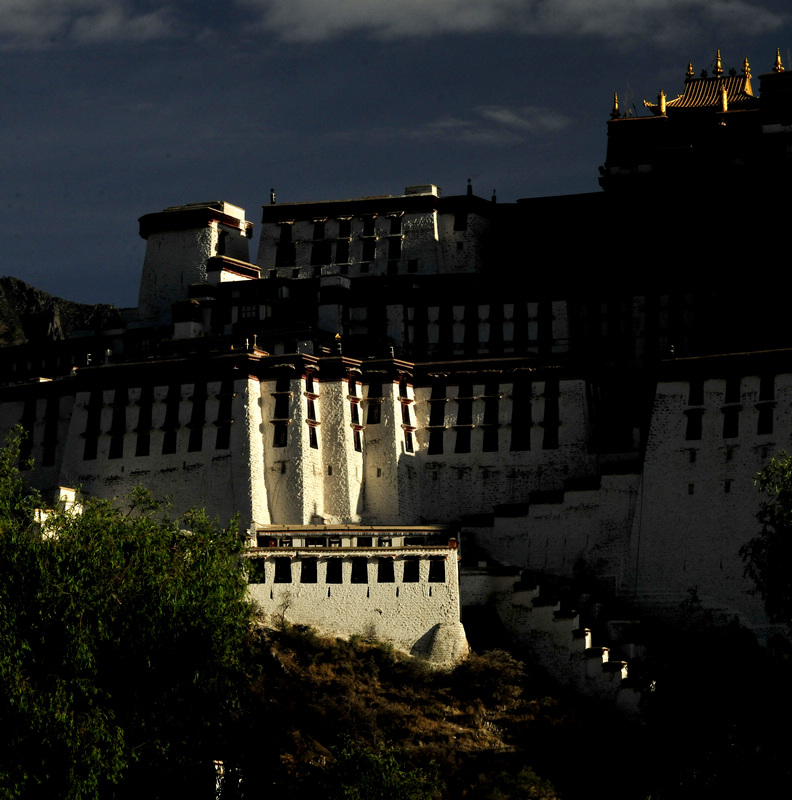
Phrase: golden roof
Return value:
(706, 92)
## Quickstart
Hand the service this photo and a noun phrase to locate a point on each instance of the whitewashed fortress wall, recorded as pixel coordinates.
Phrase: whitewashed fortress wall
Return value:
(405, 595)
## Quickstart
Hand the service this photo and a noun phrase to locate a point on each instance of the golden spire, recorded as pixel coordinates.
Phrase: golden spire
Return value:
(689, 75)
(724, 97)
(718, 65)
(746, 69)
(615, 109)
(778, 66)
(661, 103)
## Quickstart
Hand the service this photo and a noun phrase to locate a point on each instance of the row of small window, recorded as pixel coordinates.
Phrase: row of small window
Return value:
(309, 570)
(731, 421)
(263, 539)
(344, 228)
(118, 428)
(321, 248)
(732, 393)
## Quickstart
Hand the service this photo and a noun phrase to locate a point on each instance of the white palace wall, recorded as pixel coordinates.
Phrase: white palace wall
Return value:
(419, 616)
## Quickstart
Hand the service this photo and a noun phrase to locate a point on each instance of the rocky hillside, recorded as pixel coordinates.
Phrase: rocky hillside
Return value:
(29, 315)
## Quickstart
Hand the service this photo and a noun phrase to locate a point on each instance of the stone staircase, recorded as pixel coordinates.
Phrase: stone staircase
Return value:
(548, 627)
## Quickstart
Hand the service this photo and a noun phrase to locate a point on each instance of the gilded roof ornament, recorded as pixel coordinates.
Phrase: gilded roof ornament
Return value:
(718, 65)
(689, 75)
(746, 69)
(724, 98)
(661, 103)
(778, 66)
(615, 110)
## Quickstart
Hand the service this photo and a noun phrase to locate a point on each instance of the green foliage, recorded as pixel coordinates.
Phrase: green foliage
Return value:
(525, 785)
(385, 772)
(121, 646)
(768, 556)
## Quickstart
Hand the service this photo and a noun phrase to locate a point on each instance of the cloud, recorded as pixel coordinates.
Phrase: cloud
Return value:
(36, 23)
(491, 126)
(659, 20)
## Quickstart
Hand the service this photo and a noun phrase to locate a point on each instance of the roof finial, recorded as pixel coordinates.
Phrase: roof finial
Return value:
(470, 188)
(272, 197)
(615, 109)
(718, 65)
(494, 196)
(778, 66)
(661, 103)
(689, 75)
(746, 69)
(724, 97)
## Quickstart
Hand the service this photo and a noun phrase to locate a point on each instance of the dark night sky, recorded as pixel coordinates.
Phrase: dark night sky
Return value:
(116, 108)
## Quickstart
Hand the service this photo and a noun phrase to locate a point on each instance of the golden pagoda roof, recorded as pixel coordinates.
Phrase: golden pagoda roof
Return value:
(706, 92)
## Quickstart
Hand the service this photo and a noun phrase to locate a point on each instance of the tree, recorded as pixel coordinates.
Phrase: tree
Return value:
(768, 556)
(122, 639)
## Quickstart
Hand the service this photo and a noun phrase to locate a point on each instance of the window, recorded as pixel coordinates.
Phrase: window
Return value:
(91, 427)
(320, 252)
(551, 416)
(308, 570)
(357, 440)
(462, 440)
(283, 572)
(368, 226)
(280, 435)
(374, 410)
(344, 228)
(765, 423)
(369, 250)
(385, 571)
(694, 424)
(313, 441)
(118, 425)
(731, 423)
(224, 418)
(437, 569)
(250, 311)
(143, 429)
(437, 405)
(766, 387)
(285, 250)
(359, 569)
(342, 252)
(197, 417)
(412, 570)
(334, 570)
(521, 416)
(465, 404)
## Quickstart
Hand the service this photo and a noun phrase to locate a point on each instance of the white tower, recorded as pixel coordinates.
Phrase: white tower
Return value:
(179, 240)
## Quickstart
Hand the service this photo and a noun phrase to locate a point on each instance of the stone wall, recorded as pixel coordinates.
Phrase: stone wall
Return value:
(414, 607)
